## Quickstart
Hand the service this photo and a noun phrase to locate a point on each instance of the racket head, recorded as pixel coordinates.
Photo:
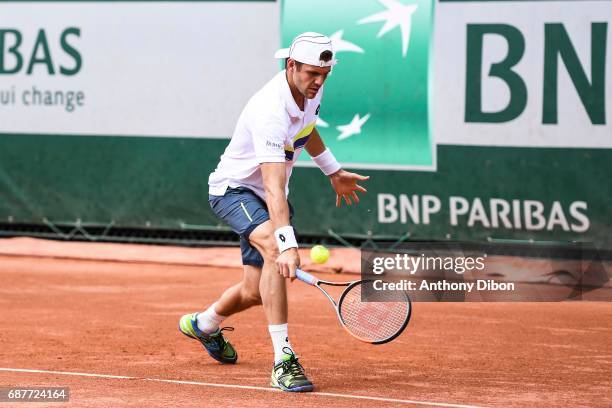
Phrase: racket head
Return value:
(374, 322)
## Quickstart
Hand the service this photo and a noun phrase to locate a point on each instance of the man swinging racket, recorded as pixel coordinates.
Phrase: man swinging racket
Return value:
(248, 190)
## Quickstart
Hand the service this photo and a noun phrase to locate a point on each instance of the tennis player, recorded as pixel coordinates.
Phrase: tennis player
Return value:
(248, 190)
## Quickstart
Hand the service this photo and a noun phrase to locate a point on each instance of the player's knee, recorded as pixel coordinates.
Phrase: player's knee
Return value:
(271, 252)
(263, 239)
(268, 248)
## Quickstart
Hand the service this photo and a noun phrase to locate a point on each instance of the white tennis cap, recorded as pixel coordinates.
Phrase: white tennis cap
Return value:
(307, 48)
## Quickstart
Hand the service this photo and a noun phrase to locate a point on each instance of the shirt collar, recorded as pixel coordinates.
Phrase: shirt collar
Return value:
(292, 108)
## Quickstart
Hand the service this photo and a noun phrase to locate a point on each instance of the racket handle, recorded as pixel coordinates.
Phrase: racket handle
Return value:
(305, 277)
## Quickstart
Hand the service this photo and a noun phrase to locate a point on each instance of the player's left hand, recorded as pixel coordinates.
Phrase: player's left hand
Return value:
(345, 185)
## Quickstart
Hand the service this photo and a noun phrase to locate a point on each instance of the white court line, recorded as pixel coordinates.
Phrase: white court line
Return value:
(235, 386)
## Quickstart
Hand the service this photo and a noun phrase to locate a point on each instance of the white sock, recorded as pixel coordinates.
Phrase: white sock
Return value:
(280, 340)
(209, 320)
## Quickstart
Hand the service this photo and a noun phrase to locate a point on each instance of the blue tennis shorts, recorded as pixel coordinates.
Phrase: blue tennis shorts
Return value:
(243, 211)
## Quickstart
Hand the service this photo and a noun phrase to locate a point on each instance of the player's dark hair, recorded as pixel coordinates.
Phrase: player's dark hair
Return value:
(326, 56)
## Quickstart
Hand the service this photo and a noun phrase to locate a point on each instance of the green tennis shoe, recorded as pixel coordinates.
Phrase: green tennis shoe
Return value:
(288, 375)
(214, 343)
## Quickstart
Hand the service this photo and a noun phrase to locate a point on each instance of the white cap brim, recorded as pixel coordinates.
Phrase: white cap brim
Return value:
(282, 53)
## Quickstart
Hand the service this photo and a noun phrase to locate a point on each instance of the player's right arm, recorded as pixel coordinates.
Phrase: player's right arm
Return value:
(274, 179)
(269, 135)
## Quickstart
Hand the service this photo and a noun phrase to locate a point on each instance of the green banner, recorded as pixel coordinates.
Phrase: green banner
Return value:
(476, 120)
(375, 105)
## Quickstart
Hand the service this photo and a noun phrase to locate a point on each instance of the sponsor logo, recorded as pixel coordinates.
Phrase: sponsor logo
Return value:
(43, 55)
(275, 145)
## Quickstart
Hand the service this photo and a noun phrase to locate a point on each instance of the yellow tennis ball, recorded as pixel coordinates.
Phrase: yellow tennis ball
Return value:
(319, 254)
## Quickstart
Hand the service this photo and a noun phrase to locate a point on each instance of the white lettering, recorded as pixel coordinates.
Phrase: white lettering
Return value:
(458, 206)
(387, 211)
(582, 218)
(502, 214)
(534, 209)
(557, 217)
(431, 205)
(478, 214)
(409, 207)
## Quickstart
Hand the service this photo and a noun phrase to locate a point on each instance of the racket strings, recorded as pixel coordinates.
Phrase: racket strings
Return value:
(373, 320)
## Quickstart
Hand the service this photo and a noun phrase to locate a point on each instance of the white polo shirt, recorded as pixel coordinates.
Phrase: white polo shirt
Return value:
(271, 129)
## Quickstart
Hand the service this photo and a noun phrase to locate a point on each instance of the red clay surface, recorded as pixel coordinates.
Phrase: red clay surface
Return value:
(121, 319)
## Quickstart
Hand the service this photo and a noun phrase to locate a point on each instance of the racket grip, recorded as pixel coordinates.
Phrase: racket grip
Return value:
(305, 277)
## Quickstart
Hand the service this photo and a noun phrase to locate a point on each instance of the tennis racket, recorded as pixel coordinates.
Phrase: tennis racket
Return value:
(374, 322)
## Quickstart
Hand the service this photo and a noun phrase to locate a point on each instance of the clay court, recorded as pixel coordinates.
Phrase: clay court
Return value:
(108, 330)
